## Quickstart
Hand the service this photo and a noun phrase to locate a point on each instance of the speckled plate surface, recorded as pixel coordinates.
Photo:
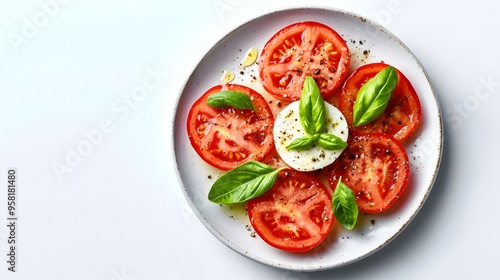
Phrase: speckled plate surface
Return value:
(368, 42)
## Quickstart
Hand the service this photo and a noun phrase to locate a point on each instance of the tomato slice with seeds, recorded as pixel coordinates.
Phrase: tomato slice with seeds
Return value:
(376, 168)
(299, 50)
(295, 214)
(403, 112)
(227, 137)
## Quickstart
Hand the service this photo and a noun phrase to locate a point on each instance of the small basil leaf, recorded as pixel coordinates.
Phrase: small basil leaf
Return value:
(242, 183)
(344, 205)
(374, 95)
(311, 107)
(329, 141)
(230, 98)
(303, 143)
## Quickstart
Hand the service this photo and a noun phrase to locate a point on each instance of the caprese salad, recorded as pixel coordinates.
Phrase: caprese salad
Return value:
(272, 161)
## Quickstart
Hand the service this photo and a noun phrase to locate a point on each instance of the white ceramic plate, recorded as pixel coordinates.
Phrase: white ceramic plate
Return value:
(368, 42)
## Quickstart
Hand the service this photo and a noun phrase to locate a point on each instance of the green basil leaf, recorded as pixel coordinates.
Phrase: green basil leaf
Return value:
(303, 143)
(344, 205)
(242, 183)
(374, 95)
(311, 107)
(331, 142)
(230, 98)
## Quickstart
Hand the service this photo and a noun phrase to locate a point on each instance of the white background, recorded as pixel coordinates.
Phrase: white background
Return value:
(68, 68)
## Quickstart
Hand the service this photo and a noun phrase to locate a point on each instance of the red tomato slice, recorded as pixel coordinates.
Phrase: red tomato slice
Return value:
(403, 112)
(299, 50)
(227, 137)
(295, 214)
(376, 168)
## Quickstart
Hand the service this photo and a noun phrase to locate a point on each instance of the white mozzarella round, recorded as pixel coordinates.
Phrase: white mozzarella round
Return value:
(287, 127)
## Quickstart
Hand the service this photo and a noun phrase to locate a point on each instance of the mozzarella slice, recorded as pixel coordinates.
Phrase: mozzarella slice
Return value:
(287, 127)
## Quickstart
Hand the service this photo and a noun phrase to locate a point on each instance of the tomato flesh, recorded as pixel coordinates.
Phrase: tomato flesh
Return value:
(227, 137)
(403, 112)
(376, 168)
(295, 214)
(299, 50)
